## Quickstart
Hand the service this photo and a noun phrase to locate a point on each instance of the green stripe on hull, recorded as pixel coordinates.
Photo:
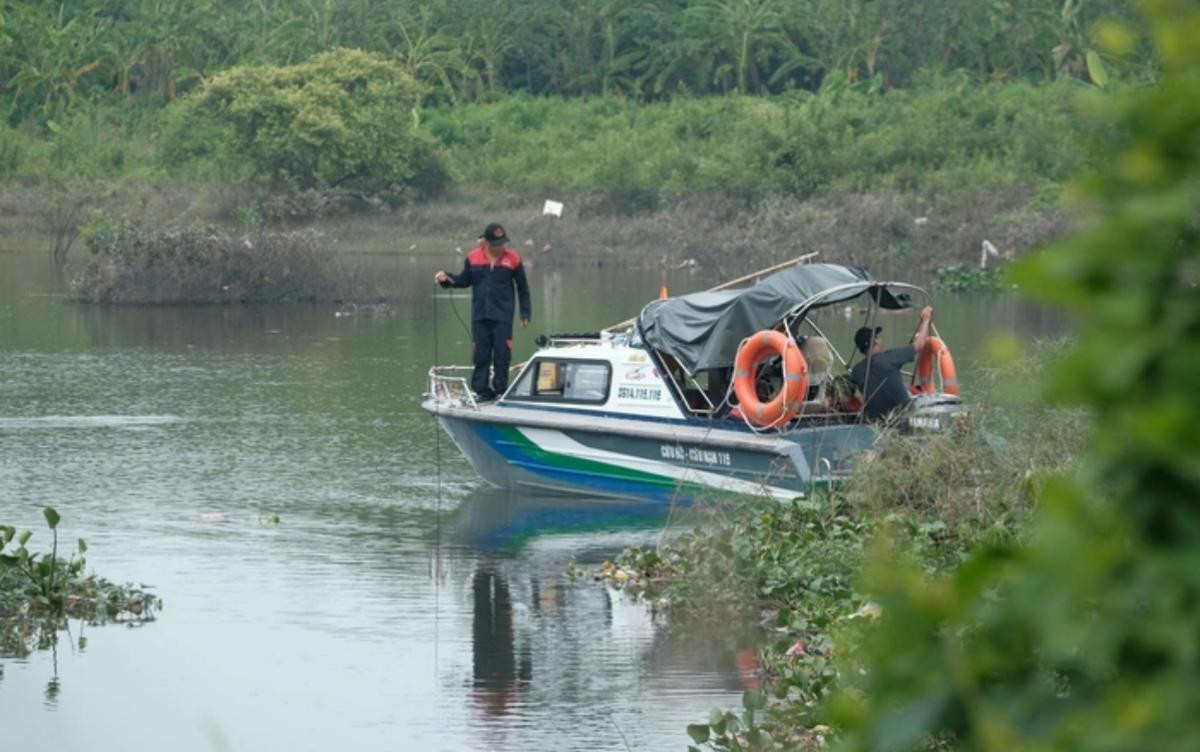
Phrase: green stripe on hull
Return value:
(513, 436)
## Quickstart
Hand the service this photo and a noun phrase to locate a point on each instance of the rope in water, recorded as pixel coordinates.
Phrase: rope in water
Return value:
(437, 450)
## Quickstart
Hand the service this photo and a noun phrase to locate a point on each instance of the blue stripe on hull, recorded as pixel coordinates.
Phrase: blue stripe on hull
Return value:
(518, 456)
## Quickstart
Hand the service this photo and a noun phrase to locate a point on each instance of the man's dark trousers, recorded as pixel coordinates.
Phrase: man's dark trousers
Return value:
(492, 343)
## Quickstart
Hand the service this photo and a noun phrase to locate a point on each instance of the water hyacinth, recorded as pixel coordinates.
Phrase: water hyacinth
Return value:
(39, 592)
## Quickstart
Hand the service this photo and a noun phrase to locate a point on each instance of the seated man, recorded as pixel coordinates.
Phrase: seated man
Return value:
(878, 375)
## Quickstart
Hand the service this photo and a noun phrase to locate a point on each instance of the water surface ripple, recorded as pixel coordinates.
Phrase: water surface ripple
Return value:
(396, 604)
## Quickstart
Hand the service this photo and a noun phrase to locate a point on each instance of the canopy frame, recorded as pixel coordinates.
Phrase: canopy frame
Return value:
(800, 313)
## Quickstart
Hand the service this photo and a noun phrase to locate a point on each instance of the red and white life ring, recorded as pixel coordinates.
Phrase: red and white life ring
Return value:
(936, 350)
(786, 402)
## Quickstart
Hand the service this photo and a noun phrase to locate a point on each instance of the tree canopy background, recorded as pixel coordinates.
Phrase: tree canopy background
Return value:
(54, 55)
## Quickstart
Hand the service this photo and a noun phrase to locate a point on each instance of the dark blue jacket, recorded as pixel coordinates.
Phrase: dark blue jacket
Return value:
(492, 298)
(883, 385)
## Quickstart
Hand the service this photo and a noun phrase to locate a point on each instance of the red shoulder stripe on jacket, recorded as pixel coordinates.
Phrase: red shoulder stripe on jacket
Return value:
(510, 259)
(478, 256)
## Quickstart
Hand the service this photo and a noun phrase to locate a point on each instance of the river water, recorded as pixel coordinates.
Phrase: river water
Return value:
(398, 603)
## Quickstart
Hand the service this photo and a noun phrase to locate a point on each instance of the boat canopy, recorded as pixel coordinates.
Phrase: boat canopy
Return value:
(703, 330)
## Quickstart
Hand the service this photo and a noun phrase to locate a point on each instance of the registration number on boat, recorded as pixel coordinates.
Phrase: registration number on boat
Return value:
(695, 455)
(639, 393)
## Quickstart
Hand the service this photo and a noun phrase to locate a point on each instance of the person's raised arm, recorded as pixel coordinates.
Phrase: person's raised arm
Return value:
(922, 334)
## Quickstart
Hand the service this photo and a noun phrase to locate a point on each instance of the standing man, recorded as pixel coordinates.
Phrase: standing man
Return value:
(878, 375)
(492, 269)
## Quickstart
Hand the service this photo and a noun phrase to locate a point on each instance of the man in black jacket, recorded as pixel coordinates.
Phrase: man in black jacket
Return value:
(878, 375)
(492, 269)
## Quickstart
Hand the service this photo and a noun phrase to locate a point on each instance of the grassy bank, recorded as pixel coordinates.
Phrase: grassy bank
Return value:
(943, 138)
(883, 230)
(914, 178)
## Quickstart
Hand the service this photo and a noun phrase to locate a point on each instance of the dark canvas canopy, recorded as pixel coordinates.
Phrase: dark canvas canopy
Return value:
(703, 330)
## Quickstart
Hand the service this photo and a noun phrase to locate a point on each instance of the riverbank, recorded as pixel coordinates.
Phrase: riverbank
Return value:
(883, 230)
(917, 178)
(795, 570)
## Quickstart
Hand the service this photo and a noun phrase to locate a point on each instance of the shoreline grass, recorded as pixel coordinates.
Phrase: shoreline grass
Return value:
(877, 230)
(793, 571)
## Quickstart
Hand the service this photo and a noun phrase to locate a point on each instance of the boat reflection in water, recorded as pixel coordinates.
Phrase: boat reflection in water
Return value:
(497, 520)
(498, 668)
(540, 638)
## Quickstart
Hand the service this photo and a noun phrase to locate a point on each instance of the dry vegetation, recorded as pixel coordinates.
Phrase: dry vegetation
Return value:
(134, 265)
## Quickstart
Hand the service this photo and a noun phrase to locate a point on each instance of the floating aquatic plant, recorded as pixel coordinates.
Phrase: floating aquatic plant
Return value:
(39, 592)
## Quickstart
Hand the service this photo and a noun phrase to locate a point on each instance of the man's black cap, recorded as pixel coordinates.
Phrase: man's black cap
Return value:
(494, 233)
(864, 337)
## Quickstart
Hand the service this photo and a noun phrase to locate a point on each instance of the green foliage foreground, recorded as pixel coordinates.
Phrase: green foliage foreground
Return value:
(1086, 638)
(39, 592)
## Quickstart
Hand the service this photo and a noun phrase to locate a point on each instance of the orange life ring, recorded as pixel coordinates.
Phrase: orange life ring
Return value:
(785, 404)
(936, 349)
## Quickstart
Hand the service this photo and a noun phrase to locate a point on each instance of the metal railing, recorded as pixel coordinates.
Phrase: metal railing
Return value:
(448, 389)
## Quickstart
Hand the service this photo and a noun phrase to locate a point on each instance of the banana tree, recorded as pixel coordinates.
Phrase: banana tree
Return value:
(426, 54)
(50, 56)
(486, 44)
(1076, 54)
(744, 33)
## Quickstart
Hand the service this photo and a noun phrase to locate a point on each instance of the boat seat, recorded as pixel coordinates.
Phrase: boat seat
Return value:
(819, 357)
(695, 399)
(814, 407)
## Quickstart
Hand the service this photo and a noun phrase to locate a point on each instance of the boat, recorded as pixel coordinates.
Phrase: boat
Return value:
(727, 391)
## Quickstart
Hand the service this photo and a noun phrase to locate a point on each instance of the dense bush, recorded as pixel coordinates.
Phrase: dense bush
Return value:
(960, 278)
(132, 264)
(89, 144)
(944, 142)
(342, 120)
